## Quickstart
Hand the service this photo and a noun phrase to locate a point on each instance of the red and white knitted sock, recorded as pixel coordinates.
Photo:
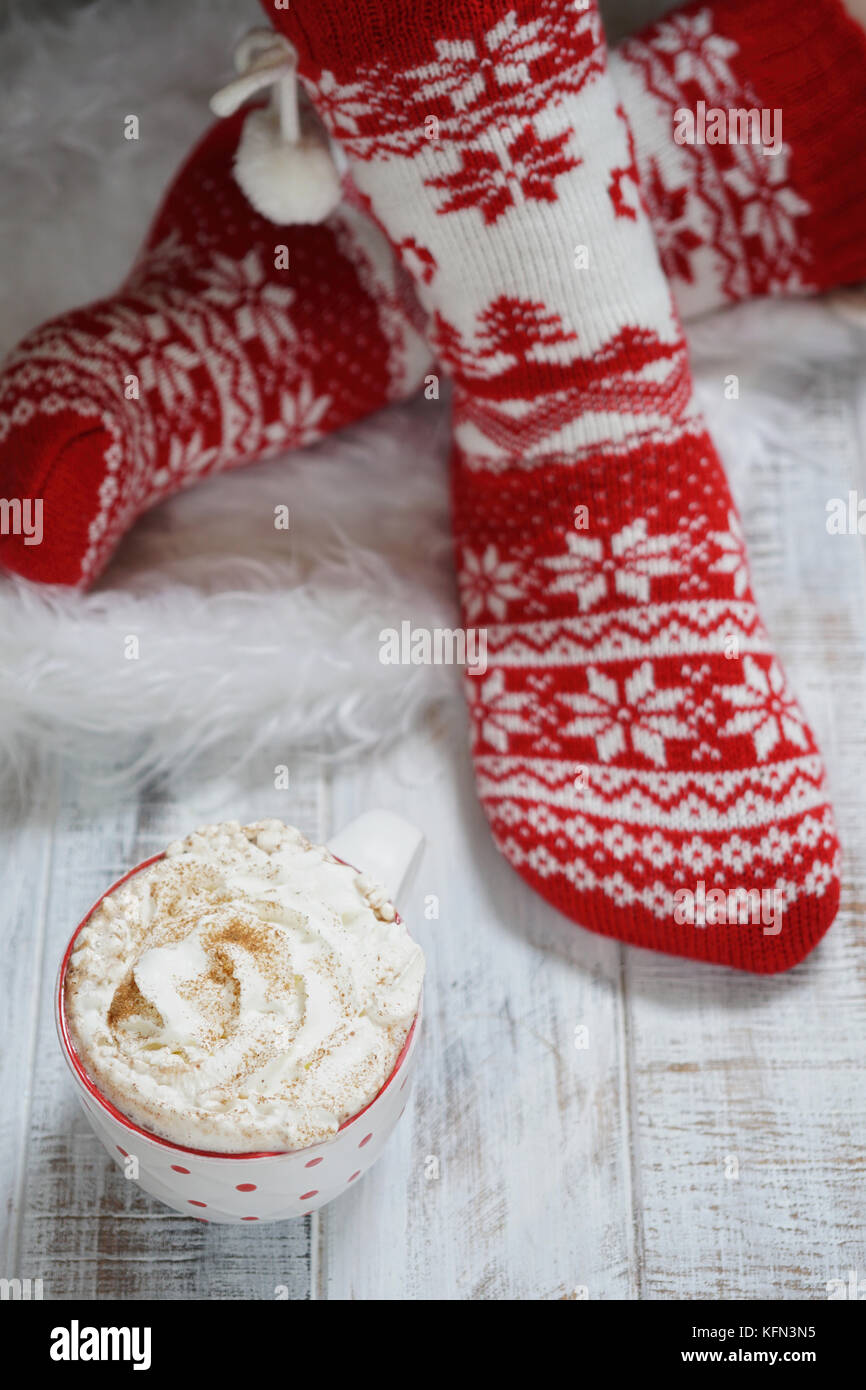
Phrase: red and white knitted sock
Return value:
(636, 745)
(731, 220)
(226, 343)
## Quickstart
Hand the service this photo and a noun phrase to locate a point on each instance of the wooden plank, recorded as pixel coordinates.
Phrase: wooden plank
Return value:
(26, 842)
(84, 1229)
(763, 1078)
(509, 1175)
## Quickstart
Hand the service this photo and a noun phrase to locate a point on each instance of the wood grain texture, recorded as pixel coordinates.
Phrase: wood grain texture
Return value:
(750, 1109)
(26, 843)
(511, 1125)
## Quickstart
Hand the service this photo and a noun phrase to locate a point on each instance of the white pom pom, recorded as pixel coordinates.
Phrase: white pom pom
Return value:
(283, 161)
(287, 183)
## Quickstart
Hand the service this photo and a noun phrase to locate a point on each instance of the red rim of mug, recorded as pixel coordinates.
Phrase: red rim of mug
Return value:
(92, 1089)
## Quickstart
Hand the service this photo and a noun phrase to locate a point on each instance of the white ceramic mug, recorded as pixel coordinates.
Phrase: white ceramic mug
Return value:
(262, 1186)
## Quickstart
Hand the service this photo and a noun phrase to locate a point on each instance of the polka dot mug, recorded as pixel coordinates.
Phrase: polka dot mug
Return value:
(251, 1187)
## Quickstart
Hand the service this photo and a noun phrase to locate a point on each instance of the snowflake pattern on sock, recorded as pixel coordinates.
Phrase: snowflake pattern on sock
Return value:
(224, 345)
(752, 212)
(632, 730)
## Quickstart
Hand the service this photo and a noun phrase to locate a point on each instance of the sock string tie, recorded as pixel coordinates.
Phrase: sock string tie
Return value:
(283, 161)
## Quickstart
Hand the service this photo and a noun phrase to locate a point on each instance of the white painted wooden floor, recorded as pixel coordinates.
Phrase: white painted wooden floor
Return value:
(709, 1140)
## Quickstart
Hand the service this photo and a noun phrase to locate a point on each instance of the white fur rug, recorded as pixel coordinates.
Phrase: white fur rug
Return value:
(241, 644)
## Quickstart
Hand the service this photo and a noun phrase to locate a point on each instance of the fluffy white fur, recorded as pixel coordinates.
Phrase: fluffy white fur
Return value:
(252, 638)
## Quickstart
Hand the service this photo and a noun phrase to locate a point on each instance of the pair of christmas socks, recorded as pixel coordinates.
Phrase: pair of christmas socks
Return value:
(639, 755)
(232, 339)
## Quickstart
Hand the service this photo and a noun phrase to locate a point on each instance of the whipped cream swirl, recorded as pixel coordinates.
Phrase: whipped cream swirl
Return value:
(246, 992)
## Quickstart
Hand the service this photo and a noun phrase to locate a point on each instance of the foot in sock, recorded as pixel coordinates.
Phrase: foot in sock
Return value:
(226, 343)
(729, 222)
(636, 745)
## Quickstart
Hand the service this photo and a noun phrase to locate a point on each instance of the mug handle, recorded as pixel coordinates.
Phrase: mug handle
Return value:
(381, 844)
